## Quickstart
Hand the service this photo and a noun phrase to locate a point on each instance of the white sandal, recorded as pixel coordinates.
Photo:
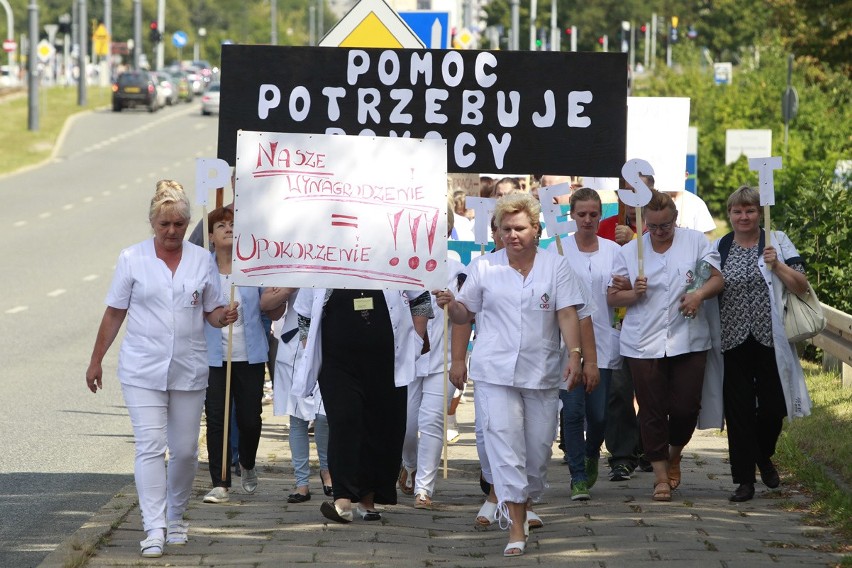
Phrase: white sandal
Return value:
(152, 547)
(534, 520)
(487, 511)
(177, 533)
(520, 545)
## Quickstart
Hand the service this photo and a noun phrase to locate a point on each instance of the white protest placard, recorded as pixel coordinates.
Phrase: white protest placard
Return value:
(210, 173)
(657, 130)
(483, 208)
(340, 211)
(552, 211)
(764, 168)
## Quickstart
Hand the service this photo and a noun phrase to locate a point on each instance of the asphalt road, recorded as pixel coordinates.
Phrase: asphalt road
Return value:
(65, 452)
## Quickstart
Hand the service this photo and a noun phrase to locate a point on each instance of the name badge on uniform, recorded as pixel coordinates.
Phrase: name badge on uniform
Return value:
(362, 304)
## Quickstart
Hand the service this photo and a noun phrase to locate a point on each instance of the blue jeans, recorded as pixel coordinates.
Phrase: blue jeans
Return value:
(578, 408)
(300, 447)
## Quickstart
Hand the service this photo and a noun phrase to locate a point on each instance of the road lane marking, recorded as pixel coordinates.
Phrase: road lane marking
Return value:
(19, 223)
(106, 193)
(44, 215)
(88, 199)
(90, 277)
(68, 206)
(57, 292)
(17, 309)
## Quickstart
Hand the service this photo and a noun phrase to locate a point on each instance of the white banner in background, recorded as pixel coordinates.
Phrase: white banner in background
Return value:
(340, 211)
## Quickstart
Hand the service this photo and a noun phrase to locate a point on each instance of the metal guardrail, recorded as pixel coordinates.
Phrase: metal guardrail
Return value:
(836, 340)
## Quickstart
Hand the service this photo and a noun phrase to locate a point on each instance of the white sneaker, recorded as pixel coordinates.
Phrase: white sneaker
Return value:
(217, 495)
(249, 480)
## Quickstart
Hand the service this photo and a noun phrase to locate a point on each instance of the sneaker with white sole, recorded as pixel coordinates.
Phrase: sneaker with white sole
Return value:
(580, 491)
(249, 480)
(217, 495)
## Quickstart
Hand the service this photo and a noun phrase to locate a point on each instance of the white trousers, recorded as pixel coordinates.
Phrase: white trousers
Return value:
(484, 464)
(519, 426)
(164, 420)
(425, 401)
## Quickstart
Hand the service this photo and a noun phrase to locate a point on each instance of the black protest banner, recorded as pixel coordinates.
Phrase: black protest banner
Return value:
(500, 111)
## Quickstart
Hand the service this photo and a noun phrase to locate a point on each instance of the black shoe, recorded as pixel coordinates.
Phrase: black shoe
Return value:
(644, 465)
(484, 485)
(238, 472)
(327, 489)
(769, 475)
(620, 472)
(298, 498)
(744, 492)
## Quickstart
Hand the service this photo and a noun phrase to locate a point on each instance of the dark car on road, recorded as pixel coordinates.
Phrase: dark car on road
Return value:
(134, 88)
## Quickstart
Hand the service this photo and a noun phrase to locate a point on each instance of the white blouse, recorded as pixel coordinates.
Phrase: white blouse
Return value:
(518, 336)
(164, 347)
(654, 327)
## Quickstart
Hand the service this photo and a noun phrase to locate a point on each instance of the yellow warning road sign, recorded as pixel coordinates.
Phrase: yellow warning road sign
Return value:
(371, 23)
(100, 41)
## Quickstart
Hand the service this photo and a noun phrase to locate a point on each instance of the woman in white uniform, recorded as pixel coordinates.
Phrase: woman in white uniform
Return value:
(167, 289)
(301, 410)
(421, 455)
(665, 335)
(592, 258)
(523, 299)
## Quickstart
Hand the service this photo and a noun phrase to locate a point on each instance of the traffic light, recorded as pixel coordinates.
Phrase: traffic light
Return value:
(643, 28)
(673, 34)
(568, 30)
(155, 34)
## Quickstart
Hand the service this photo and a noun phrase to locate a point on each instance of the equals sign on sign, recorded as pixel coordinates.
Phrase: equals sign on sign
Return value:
(344, 220)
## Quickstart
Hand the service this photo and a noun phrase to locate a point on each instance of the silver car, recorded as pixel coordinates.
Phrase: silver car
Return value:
(210, 100)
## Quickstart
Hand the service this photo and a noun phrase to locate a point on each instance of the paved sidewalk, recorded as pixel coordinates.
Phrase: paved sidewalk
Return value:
(620, 526)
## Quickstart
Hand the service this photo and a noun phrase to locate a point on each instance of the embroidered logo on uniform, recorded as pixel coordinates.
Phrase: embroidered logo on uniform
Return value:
(545, 302)
(195, 296)
(690, 277)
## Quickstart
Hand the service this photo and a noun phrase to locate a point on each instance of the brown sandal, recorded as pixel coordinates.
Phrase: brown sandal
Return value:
(674, 474)
(662, 491)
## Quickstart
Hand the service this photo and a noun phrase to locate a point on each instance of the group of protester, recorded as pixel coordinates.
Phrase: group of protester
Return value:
(694, 328)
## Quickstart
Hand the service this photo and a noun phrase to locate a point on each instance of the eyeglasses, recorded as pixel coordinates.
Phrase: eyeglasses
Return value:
(662, 226)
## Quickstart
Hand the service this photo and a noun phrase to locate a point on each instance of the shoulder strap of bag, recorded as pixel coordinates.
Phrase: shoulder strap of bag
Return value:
(725, 246)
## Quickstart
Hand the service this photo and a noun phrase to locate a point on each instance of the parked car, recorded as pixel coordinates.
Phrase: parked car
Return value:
(134, 88)
(210, 100)
(184, 89)
(166, 91)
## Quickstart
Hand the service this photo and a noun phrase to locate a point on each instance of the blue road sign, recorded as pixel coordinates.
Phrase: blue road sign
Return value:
(433, 28)
(179, 39)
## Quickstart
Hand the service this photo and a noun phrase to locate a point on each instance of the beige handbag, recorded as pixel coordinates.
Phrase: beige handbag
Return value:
(803, 315)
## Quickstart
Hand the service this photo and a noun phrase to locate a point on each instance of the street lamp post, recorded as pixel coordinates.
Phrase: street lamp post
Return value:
(32, 65)
(137, 32)
(514, 38)
(82, 37)
(273, 22)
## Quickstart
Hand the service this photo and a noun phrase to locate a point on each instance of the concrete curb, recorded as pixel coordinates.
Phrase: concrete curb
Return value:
(76, 549)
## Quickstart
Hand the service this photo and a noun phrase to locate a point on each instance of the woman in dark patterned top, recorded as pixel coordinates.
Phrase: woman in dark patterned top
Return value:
(763, 377)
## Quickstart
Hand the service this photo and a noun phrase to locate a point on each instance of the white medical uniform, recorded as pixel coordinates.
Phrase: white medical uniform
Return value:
(426, 398)
(654, 327)
(162, 367)
(516, 364)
